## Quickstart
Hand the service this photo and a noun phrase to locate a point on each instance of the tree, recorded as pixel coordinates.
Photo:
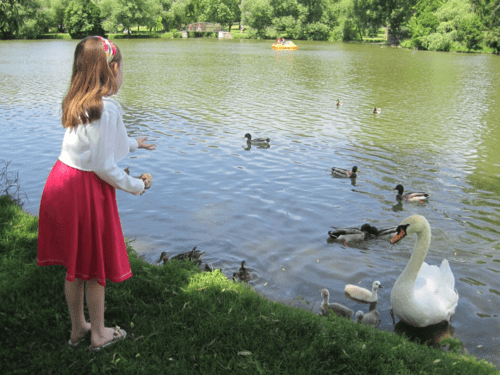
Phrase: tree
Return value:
(470, 32)
(257, 14)
(130, 13)
(225, 12)
(58, 10)
(83, 18)
(23, 18)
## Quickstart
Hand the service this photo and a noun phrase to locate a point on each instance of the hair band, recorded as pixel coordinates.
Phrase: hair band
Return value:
(109, 48)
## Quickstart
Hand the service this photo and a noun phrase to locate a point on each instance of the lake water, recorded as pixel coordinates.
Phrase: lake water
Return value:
(438, 132)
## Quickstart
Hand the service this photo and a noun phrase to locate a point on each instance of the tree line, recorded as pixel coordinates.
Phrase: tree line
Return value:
(445, 25)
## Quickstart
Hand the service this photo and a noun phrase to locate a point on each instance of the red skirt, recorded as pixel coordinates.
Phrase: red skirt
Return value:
(79, 227)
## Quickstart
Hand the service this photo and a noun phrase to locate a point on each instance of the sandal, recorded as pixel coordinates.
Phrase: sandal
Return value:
(116, 338)
(77, 341)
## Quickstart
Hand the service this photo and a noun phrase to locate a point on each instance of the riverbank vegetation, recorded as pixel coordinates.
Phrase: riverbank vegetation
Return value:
(442, 25)
(182, 320)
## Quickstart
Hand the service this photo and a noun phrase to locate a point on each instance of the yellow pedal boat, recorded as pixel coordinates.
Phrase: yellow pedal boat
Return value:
(288, 46)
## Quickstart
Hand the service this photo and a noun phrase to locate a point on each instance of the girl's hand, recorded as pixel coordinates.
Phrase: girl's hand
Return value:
(148, 180)
(142, 144)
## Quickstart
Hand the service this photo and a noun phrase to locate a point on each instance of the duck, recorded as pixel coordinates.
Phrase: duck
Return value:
(344, 173)
(243, 273)
(377, 110)
(370, 319)
(422, 295)
(339, 103)
(194, 255)
(336, 308)
(410, 197)
(346, 235)
(362, 294)
(256, 141)
(384, 232)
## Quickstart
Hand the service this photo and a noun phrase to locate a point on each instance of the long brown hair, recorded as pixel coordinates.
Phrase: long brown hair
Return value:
(92, 79)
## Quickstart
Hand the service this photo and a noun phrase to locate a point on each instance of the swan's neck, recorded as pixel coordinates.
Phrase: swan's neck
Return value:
(420, 250)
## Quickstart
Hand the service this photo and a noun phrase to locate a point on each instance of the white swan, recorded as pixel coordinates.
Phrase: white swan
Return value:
(363, 294)
(422, 295)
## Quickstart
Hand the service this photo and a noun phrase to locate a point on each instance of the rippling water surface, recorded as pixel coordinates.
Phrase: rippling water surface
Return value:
(438, 132)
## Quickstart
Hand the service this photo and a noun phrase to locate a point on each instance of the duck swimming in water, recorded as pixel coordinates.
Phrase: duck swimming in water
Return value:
(194, 255)
(339, 103)
(384, 233)
(344, 173)
(243, 273)
(256, 141)
(346, 235)
(410, 197)
(377, 110)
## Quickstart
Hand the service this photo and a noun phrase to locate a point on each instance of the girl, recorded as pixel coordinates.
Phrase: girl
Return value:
(79, 225)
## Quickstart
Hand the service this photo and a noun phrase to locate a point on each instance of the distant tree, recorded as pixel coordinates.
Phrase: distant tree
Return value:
(23, 18)
(225, 12)
(58, 9)
(130, 13)
(257, 14)
(470, 32)
(83, 18)
(10, 18)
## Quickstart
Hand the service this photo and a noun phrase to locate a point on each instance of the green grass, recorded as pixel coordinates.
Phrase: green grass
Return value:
(181, 320)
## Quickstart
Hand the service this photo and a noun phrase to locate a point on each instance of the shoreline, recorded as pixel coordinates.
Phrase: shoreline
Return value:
(180, 319)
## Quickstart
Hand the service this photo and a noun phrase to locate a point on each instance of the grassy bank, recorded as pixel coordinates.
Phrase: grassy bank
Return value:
(181, 320)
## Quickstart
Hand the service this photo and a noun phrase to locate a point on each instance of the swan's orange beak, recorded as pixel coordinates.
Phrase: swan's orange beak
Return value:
(399, 235)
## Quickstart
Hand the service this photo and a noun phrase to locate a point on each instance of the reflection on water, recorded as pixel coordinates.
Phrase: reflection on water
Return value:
(438, 132)
(433, 335)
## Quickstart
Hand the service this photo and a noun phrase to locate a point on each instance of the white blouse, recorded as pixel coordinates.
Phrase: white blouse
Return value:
(98, 146)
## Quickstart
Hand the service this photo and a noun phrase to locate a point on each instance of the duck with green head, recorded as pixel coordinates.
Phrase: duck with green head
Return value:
(256, 141)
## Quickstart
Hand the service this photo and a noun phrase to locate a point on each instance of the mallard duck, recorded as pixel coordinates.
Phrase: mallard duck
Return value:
(362, 294)
(337, 308)
(194, 255)
(384, 232)
(377, 110)
(346, 235)
(344, 173)
(243, 273)
(423, 295)
(256, 141)
(339, 103)
(370, 319)
(410, 197)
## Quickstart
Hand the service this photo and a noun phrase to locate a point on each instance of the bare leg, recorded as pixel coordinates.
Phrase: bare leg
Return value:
(95, 304)
(74, 298)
